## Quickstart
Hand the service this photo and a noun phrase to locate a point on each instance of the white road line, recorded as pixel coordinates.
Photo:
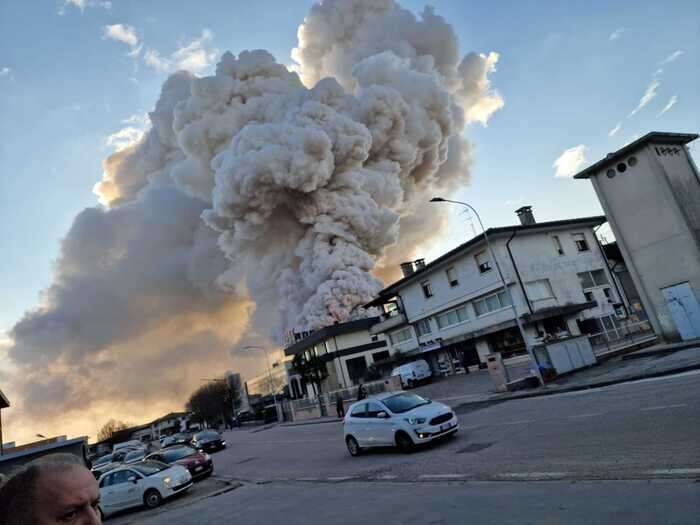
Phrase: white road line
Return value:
(673, 471)
(442, 476)
(663, 407)
(532, 475)
(594, 414)
(340, 478)
(387, 477)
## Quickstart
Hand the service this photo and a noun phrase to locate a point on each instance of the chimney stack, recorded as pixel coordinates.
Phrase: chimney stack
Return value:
(420, 264)
(407, 268)
(525, 215)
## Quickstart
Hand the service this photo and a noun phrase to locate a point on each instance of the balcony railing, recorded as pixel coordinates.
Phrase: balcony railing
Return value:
(388, 322)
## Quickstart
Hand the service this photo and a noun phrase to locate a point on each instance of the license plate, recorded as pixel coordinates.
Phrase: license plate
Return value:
(199, 468)
(445, 426)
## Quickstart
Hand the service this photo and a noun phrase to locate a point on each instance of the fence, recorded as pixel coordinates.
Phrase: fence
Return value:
(324, 405)
(616, 335)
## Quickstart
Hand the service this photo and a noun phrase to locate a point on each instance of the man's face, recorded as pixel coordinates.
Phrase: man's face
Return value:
(70, 497)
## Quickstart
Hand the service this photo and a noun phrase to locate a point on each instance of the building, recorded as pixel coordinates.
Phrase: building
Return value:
(650, 191)
(455, 311)
(275, 381)
(17, 456)
(4, 403)
(624, 281)
(348, 349)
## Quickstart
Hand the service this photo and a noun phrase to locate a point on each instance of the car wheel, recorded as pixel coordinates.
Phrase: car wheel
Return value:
(404, 442)
(353, 446)
(152, 498)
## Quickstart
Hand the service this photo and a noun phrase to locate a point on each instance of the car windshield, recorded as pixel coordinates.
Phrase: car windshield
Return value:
(206, 435)
(103, 460)
(136, 454)
(174, 454)
(148, 468)
(404, 402)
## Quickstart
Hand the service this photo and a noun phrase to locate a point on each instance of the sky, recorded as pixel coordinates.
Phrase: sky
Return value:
(77, 77)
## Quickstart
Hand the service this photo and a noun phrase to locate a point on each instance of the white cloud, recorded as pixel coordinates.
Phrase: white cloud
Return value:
(570, 161)
(125, 34)
(647, 97)
(82, 4)
(196, 56)
(5, 71)
(614, 131)
(617, 33)
(673, 56)
(671, 102)
(136, 127)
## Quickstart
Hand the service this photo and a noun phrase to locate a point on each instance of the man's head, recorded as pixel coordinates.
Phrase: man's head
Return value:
(56, 489)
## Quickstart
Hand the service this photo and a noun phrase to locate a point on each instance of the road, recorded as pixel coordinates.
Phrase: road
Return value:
(630, 451)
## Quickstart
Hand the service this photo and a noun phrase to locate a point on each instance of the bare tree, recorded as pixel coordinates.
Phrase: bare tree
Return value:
(110, 428)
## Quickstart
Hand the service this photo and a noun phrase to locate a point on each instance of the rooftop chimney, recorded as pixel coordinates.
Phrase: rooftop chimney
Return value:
(420, 264)
(407, 268)
(525, 215)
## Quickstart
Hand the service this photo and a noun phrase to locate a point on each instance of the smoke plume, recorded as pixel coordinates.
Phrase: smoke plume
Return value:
(260, 200)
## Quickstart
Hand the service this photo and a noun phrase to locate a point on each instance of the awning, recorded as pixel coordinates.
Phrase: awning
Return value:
(557, 311)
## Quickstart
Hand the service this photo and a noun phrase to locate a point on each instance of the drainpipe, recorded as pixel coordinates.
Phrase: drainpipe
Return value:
(517, 273)
(610, 274)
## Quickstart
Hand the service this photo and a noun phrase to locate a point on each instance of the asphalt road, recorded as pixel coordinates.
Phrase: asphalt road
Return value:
(628, 453)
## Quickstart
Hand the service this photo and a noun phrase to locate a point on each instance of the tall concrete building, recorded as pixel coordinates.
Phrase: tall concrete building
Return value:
(650, 191)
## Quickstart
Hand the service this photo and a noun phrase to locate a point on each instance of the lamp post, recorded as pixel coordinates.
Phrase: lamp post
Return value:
(269, 374)
(528, 348)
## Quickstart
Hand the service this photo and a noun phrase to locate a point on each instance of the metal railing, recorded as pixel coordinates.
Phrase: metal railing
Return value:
(623, 334)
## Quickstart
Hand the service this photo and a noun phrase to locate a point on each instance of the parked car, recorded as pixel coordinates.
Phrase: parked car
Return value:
(399, 419)
(175, 440)
(147, 483)
(102, 460)
(134, 443)
(198, 463)
(135, 455)
(104, 468)
(413, 373)
(208, 441)
(119, 455)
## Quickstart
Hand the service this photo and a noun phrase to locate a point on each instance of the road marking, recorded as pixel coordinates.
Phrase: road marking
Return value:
(532, 475)
(673, 471)
(520, 422)
(387, 477)
(341, 478)
(593, 414)
(442, 476)
(662, 407)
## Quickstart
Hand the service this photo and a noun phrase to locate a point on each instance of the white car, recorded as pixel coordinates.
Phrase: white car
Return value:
(147, 483)
(413, 373)
(397, 419)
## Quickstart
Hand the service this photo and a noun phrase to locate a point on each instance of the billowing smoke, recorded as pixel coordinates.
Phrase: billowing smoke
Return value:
(260, 200)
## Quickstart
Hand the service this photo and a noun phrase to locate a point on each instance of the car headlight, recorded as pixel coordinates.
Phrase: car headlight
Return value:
(415, 420)
(167, 481)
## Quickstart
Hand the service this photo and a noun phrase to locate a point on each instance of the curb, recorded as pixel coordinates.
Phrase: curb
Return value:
(304, 423)
(577, 388)
(692, 345)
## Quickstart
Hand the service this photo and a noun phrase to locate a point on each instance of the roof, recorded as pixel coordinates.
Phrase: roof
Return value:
(8, 455)
(4, 402)
(330, 331)
(657, 137)
(491, 233)
(171, 415)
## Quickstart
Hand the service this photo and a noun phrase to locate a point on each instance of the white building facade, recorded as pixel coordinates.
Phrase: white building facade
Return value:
(455, 310)
(650, 191)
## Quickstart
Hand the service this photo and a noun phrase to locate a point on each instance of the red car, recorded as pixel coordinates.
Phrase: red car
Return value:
(198, 463)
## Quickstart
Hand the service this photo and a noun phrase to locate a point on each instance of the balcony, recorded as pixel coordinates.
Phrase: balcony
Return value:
(388, 322)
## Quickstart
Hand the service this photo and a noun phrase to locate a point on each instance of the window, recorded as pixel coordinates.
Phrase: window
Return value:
(589, 296)
(423, 326)
(427, 289)
(580, 241)
(452, 276)
(452, 317)
(491, 303)
(121, 476)
(373, 409)
(359, 411)
(483, 262)
(539, 290)
(400, 336)
(557, 244)
(608, 293)
(592, 279)
(380, 356)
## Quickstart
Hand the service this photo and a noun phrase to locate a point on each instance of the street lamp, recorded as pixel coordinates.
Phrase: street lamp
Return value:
(269, 374)
(503, 281)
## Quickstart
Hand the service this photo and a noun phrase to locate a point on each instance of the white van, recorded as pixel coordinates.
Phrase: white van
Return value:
(413, 373)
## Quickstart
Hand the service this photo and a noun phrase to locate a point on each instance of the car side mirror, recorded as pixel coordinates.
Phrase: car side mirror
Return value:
(382, 415)
(133, 479)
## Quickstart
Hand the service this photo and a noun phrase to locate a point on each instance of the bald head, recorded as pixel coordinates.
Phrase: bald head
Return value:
(55, 489)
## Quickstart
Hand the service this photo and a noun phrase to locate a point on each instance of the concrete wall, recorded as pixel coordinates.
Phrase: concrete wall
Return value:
(653, 211)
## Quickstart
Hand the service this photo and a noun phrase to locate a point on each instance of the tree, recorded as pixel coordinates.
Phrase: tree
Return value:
(210, 402)
(312, 369)
(110, 428)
